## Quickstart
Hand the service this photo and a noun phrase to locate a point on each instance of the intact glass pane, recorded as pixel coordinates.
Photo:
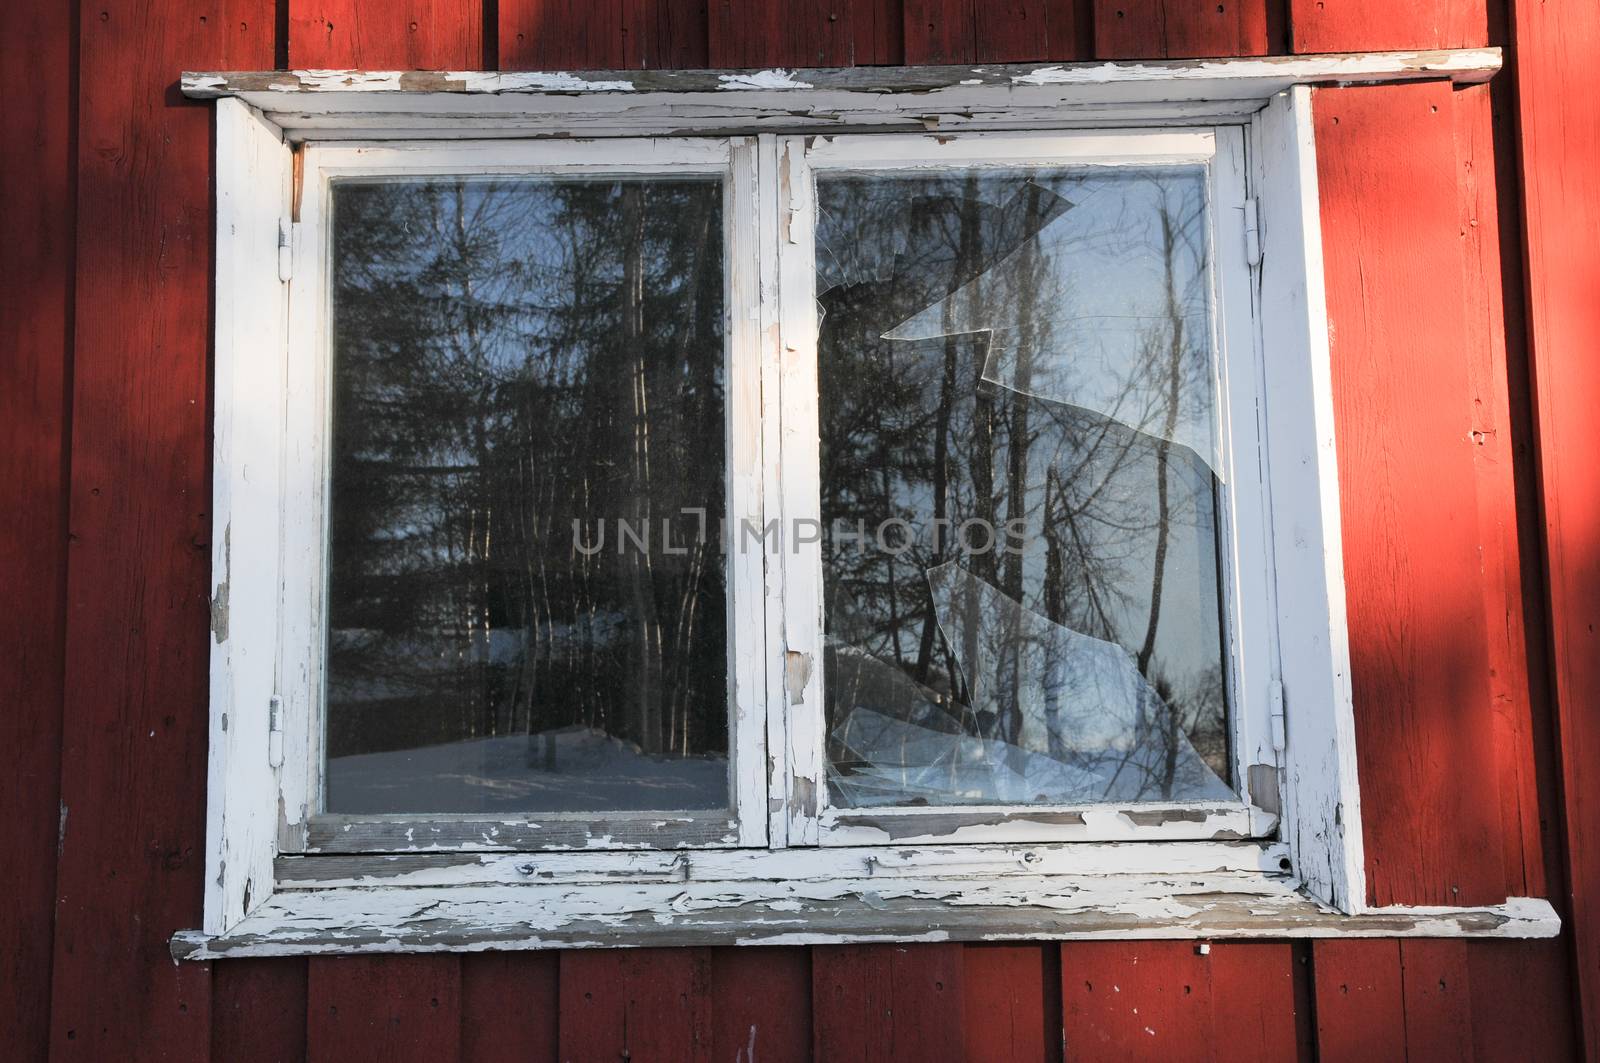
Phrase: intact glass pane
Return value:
(1020, 488)
(526, 613)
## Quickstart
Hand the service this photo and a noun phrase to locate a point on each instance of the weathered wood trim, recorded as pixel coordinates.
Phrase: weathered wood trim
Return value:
(467, 919)
(1265, 75)
(253, 170)
(1322, 814)
(484, 833)
(756, 865)
(343, 104)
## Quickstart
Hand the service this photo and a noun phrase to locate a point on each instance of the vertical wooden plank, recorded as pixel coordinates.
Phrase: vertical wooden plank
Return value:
(1260, 997)
(386, 34)
(1013, 1002)
(1437, 993)
(676, 34)
(635, 1004)
(258, 1011)
(940, 31)
(1019, 31)
(1507, 513)
(758, 33)
(1360, 1001)
(379, 1009)
(134, 703)
(1418, 649)
(760, 1005)
(566, 35)
(1378, 25)
(875, 1003)
(37, 53)
(1175, 29)
(1556, 45)
(879, 31)
(509, 1007)
(1179, 1000)
(1521, 1001)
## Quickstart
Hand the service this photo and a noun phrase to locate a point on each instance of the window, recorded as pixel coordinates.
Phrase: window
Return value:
(738, 535)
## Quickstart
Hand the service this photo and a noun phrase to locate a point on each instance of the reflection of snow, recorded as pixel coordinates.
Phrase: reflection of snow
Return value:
(572, 769)
(406, 663)
(1062, 717)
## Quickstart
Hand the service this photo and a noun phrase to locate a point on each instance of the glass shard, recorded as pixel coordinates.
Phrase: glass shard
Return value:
(525, 614)
(1106, 308)
(1024, 401)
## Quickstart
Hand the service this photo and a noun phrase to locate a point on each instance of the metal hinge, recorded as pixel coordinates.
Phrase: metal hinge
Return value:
(285, 250)
(1279, 728)
(1252, 232)
(275, 731)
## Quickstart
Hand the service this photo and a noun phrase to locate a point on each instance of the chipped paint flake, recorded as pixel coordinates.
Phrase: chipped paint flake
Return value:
(762, 79)
(534, 81)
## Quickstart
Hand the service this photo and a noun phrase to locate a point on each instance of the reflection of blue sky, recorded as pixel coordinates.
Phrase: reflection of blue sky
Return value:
(1078, 317)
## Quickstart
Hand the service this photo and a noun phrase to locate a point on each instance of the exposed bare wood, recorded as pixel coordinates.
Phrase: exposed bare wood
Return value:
(390, 919)
(1271, 73)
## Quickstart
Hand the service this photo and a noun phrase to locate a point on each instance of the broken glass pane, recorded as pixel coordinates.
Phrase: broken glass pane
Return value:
(525, 611)
(1019, 488)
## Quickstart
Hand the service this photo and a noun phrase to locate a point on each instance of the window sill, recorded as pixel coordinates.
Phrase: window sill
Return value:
(953, 903)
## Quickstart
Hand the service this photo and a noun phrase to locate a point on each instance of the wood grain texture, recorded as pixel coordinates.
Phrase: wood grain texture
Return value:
(1029, 30)
(755, 34)
(1360, 1002)
(1557, 45)
(509, 1007)
(1376, 25)
(941, 31)
(1425, 738)
(37, 50)
(607, 35)
(635, 1004)
(1437, 992)
(386, 34)
(382, 1009)
(874, 1003)
(134, 703)
(1013, 1002)
(1174, 29)
(258, 1011)
(1181, 1000)
(1496, 358)
(879, 29)
(568, 35)
(1522, 1004)
(760, 1005)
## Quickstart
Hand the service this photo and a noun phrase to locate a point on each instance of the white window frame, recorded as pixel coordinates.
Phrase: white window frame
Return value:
(303, 602)
(806, 818)
(1286, 861)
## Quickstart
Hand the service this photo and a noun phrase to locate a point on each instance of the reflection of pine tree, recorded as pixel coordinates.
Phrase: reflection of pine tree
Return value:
(511, 357)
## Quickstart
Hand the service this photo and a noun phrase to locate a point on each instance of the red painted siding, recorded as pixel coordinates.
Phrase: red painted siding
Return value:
(37, 213)
(106, 325)
(1557, 46)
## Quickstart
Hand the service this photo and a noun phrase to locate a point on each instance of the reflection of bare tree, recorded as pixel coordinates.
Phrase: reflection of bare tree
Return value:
(511, 357)
(1109, 500)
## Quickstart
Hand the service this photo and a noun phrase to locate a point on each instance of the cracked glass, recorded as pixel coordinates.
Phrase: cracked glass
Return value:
(525, 612)
(1020, 487)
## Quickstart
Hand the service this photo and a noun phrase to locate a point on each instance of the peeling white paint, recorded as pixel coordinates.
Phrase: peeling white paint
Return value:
(478, 81)
(762, 79)
(355, 80)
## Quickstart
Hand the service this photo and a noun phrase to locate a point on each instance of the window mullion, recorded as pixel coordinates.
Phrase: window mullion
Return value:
(748, 653)
(793, 547)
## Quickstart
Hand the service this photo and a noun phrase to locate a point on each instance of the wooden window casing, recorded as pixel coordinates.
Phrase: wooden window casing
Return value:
(1286, 859)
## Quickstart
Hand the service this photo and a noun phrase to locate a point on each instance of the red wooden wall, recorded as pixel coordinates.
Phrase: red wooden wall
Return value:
(1462, 229)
